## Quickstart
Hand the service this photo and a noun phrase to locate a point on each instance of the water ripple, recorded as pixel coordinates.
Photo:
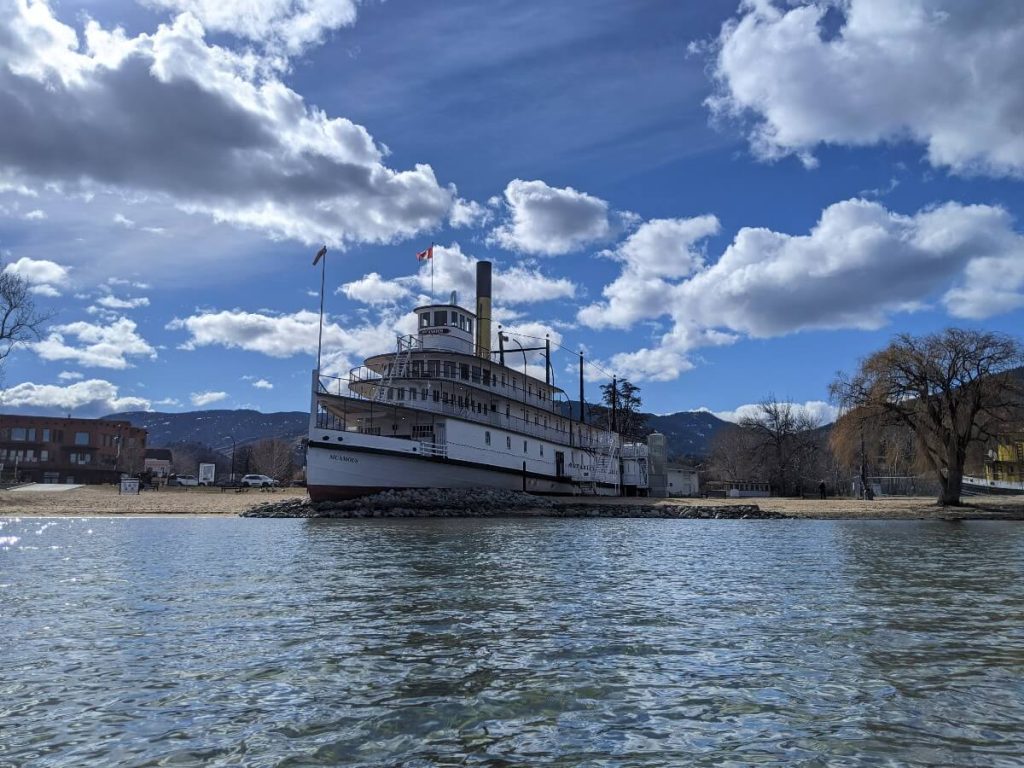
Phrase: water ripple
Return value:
(226, 642)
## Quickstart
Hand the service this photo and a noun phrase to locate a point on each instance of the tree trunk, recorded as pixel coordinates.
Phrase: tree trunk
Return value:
(950, 496)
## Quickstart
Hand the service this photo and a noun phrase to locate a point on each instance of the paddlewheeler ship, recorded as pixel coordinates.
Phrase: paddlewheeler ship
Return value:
(443, 410)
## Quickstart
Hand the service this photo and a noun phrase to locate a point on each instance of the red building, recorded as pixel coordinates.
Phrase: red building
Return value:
(44, 449)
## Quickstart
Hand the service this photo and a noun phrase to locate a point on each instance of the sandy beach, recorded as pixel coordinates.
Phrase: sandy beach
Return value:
(105, 500)
(91, 500)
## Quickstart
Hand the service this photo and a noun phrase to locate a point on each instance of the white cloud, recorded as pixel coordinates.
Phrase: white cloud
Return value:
(168, 401)
(199, 399)
(469, 213)
(550, 221)
(70, 375)
(262, 384)
(100, 346)
(113, 302)
(289, 25)
(521, 284)
(168, 115)
(454, 270)
(858, 266)
(124, 221)
(944, 73)
(36, 215)
(373, 289)
(658, 249)
(44, 277)
(820, 411)
(94, 395)
(293, 334)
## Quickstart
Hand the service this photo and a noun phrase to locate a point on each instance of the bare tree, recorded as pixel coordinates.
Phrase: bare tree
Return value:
(951, 389)
(273, 458)
(734, 456)
(20, 321)
(783, 440)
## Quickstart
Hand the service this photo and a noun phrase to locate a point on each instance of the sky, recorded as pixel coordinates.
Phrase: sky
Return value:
(721, 201)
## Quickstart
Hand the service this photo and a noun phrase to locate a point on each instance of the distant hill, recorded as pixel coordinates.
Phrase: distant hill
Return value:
(216, 428)
(689, 433)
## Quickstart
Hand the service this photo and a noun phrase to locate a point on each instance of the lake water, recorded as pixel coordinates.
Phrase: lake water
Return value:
(223, 641)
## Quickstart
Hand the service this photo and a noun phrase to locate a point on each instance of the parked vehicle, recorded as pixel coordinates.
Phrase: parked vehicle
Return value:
(188, 480)
(258, 481)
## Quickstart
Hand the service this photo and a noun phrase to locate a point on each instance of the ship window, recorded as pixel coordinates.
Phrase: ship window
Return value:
(494, 407)
(476, 373)
(417, 367)
(433, 367)
(508, 442)
(455, 319)
(441, 317)
(463, 371)
(423, 393)
(424, 319)
(507, 410)
(391, 393)
(437, 395)
(525, 446)
(487, 438)
(469, 325)
(449, 369)
(413, 393)
(504, 383)
(542, 449)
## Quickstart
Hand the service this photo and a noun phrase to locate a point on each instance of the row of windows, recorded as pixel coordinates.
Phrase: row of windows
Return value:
(20, 456)
(441, 396)
(449, 369)
(508, 443)
(29, 435)
(445, 317)
(81, 458)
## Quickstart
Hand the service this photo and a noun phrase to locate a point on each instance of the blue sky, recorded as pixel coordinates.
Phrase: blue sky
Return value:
(717, 200)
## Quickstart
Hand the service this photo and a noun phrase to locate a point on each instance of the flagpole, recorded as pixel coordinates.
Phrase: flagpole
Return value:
(431, 273)
(321, 256)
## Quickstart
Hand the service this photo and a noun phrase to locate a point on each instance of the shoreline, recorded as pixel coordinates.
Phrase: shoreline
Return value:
(104, 501)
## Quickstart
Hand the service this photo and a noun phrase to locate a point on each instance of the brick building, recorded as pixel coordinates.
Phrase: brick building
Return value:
(45, 449)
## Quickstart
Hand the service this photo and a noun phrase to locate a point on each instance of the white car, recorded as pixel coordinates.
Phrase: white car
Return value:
(258, 481)
(186, 480)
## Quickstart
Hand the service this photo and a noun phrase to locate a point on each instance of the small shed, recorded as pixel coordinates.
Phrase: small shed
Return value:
(682, 481)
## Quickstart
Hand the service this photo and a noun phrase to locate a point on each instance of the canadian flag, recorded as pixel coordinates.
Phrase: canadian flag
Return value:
(425, 255)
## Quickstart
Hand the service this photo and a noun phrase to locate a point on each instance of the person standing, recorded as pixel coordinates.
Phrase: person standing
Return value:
(821, 489)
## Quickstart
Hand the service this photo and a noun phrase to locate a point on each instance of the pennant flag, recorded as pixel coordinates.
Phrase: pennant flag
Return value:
(426, 255)
(319, 255)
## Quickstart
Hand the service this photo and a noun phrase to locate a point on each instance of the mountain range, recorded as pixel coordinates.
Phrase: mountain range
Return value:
(689, 433)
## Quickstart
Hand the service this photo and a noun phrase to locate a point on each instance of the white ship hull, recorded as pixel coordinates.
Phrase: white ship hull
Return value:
(1001, 487)
(336, 473)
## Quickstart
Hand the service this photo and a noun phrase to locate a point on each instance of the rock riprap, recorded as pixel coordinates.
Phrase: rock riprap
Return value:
(492, 502)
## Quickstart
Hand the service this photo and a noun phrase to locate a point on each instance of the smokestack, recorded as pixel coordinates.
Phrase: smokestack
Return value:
(483, 309)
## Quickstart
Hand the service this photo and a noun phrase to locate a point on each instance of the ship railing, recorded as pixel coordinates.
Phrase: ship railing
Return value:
(433, 449)
(602, 442)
